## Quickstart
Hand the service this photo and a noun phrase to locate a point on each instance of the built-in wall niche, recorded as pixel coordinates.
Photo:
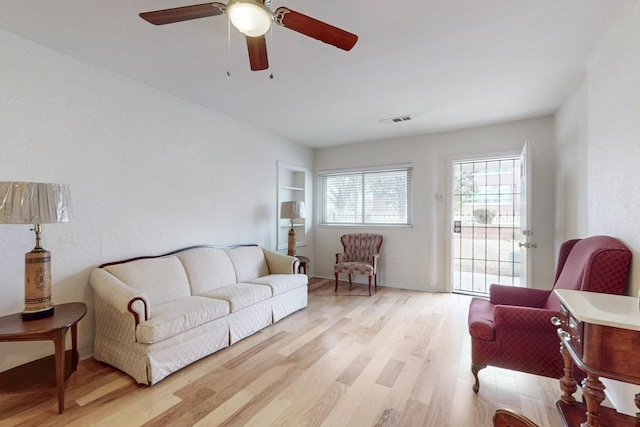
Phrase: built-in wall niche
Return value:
(291, 187)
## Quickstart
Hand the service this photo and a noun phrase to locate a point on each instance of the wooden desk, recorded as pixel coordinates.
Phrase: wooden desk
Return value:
(600, 333)
(13, 328)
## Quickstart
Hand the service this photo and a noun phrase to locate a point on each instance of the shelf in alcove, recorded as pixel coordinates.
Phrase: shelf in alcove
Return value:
(286, 187)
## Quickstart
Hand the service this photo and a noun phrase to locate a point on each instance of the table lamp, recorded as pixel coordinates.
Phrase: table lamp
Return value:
(35, 203)
(292, 211)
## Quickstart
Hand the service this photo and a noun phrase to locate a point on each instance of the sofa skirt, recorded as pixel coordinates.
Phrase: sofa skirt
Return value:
(150, 363)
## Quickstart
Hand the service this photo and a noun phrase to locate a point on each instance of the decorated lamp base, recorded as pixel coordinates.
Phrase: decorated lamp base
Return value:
(35, 315)
(291, 247)
(37, 285)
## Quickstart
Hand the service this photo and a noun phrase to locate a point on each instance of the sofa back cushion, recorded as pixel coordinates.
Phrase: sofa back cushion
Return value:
(249, 262)
(161, 279)
(207, 269)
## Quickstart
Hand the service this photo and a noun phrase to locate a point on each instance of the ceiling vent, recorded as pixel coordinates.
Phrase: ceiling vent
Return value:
(399, 119)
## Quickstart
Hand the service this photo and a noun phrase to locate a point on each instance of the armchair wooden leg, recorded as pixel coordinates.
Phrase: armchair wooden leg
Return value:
(475, 369)
(336, 290)
(349, 281)
(369, 285)
(375, 280)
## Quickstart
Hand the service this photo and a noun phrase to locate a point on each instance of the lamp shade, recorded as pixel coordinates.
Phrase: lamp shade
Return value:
(34, 203)
(250, 17)
(292, 210)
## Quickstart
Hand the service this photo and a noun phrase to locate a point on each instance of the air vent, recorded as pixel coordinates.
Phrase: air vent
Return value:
(399, 119)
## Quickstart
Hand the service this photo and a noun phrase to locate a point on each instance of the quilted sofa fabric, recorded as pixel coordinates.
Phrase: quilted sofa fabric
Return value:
(207, 269)
(512, 329)
(157, 314)
(160, 279)
(174, 317)
(240, 295)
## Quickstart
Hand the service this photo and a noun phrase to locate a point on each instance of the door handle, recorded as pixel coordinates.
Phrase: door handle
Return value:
(528, 245)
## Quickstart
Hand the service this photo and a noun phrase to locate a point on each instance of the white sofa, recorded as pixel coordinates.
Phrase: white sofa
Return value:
(155, 315)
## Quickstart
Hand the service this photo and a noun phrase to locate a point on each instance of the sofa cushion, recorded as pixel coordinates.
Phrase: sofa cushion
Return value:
(207, 269)
(281, 283)
(180, 315)
(160, 279)
(240, 295)
(249, 262)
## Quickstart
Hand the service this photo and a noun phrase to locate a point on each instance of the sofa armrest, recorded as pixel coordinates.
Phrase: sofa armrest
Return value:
(341, 257)
(525, 297)
(120, 296)
(281, 264)
(526, 318)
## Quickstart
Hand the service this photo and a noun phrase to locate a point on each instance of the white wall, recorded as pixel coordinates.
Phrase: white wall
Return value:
(417, 258)
(598, 147)
(572, 214)
(613, 154)
(148, 173)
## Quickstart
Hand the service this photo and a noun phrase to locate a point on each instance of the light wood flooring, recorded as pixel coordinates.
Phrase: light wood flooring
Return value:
(398, 358)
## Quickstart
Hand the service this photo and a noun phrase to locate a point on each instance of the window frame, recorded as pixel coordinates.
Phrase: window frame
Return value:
(362, 172)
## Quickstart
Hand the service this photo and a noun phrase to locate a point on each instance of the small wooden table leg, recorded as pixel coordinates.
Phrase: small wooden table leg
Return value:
(58, 342)
(568, 384)
(74, 347)
(593, 391)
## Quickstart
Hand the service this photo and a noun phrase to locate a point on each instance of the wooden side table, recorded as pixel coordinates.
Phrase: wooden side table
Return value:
(304, 263)
(600, 333)
(54, 328)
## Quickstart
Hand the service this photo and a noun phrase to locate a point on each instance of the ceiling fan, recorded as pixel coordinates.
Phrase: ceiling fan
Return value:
(254, 18)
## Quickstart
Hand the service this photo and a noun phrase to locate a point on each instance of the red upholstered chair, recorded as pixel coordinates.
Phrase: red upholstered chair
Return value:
(512, 329)
(360, 256)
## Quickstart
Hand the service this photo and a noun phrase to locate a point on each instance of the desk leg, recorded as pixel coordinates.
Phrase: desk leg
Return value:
(593, 391)
(59, 341)
(568, 384)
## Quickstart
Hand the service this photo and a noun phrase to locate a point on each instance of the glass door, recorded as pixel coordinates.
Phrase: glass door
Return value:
(486, 209)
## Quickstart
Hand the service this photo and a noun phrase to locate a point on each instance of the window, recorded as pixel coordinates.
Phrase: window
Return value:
(367, 197)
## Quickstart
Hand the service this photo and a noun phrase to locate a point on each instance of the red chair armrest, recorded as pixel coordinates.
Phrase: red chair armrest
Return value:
(510, 317)
(525, 297)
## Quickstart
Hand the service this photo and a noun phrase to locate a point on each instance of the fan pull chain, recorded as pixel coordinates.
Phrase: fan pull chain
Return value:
(271, 47)
(228, 46)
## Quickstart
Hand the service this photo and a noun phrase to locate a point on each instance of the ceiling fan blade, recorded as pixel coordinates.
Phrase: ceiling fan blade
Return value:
(184, 13)
(257, 47)
(313, 28)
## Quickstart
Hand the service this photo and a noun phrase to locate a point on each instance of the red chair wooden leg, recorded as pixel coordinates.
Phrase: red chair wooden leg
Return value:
(475, 369)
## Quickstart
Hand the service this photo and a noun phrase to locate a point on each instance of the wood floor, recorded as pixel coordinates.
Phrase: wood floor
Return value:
(398, 358)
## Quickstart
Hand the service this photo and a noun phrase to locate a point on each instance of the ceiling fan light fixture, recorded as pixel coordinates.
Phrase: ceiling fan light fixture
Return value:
(250, 17)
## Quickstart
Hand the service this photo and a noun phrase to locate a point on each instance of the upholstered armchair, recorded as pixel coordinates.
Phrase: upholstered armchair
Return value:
(360, 256)
(512, 328)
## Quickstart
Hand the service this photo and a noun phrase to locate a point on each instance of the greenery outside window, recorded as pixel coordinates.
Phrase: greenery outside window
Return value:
(366, 197)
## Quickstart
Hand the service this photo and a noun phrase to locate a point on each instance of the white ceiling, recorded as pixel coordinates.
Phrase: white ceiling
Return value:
(449, 64)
